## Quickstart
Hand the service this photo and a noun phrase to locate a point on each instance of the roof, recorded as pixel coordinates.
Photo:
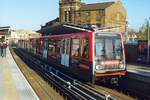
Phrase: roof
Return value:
(5, 27)
(69, 28)
(4, 30)
(50, 23)
(95, 6)
(64, 28)
(2, 33)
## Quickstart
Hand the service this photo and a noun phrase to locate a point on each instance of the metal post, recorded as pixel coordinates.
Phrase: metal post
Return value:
(148, 40)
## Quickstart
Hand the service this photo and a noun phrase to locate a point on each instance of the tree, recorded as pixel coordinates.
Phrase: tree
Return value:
(131, 36)
(143, 31)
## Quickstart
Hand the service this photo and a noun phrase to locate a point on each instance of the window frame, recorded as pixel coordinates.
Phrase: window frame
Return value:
(72, 44)
(82, 48)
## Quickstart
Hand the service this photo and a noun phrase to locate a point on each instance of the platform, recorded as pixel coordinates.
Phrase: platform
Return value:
(13, 85)
(139, 69)
(139, 73)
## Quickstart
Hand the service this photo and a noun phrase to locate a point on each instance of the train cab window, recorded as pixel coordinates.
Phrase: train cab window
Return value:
(84, 48)
(75, 47)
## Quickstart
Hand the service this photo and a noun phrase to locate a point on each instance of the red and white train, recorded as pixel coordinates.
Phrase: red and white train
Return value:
(88, 55)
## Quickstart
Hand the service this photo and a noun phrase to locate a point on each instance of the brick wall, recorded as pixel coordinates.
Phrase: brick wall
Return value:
(112, 16)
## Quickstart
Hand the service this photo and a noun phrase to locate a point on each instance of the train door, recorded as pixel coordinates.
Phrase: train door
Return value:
(34, 46)
(45, 51)
(65, 52)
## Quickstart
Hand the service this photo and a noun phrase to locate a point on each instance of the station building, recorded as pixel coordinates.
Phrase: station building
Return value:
(110, 16)
(104, 14)
(17, 35)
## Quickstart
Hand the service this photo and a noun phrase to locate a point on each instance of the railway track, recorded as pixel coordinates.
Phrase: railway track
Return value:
(40, 86)
(71, 88)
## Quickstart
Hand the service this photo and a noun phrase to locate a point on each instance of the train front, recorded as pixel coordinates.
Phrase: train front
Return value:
(109, 57)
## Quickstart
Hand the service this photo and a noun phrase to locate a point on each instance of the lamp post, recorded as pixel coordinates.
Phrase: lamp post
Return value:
(148, 51)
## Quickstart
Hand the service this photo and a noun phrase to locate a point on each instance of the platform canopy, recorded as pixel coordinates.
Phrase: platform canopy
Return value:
(63, 28)
(4, 30)
(68, 28)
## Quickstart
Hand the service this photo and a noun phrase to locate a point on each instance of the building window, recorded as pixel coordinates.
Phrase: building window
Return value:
(69, 16)
(98, 17)
(98, 25)
(118, 16)
(78, 14)
(66, 16)
(79, 22)
(88, 20)
(87, 13)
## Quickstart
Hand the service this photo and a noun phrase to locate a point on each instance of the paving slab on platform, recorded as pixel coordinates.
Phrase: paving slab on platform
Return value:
(13, 85)
(139, 69)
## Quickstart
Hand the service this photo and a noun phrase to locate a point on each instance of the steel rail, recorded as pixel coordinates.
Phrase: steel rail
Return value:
(74, 87)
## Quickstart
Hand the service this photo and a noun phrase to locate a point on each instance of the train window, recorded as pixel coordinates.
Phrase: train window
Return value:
(34, 43)
(99, 51)
(84, 48)
(58, 46)
(51, 47)
(37, 46)
(46, 44)
(41, 47)
(75, 47)
(54, 47)
(32, 46)
(63, 46)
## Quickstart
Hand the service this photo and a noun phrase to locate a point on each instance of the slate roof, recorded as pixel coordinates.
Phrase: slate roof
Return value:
(95, 6)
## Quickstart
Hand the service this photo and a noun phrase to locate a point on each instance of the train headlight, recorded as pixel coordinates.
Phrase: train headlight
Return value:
(122, 66)
(98, 67)
(102, 63)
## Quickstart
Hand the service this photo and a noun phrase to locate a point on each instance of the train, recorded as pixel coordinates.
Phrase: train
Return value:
(90, 56)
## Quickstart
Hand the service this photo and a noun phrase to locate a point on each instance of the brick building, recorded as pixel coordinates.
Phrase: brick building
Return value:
(105, 14)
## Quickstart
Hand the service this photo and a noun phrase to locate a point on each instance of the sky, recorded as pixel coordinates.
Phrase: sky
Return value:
(31, 14)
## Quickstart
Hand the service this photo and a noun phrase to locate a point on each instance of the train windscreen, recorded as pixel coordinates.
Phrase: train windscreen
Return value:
(108, 51)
